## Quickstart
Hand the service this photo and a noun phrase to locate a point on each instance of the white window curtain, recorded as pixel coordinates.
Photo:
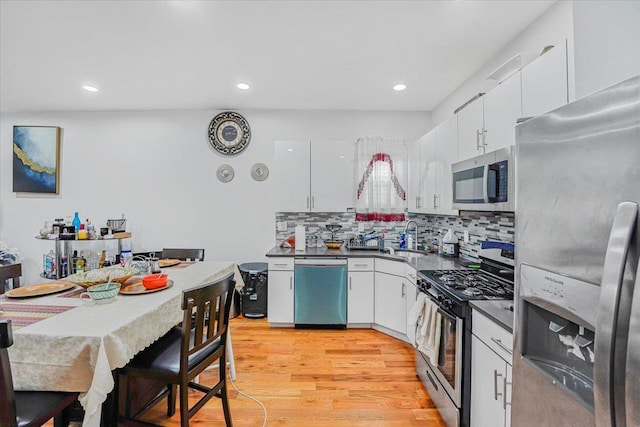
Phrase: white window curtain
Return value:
(380, 174)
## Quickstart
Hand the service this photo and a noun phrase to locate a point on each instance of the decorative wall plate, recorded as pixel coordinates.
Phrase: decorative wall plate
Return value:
(259, 171)
(229, 133)
(225, 173)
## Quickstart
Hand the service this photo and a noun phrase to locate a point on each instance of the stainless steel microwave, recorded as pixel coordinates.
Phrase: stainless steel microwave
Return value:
(485, 182)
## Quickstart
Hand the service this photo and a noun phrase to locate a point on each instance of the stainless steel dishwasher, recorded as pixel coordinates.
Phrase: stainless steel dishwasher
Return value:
(320, 295)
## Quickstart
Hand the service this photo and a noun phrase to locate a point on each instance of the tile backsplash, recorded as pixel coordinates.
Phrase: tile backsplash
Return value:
(480, 225)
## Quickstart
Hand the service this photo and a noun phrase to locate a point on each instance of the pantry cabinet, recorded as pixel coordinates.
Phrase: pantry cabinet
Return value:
(545, 82)
(491, 370)
(313, 176)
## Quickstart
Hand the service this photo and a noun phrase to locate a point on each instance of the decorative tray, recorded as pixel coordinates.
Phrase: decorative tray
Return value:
(135, 287)
(39, 290)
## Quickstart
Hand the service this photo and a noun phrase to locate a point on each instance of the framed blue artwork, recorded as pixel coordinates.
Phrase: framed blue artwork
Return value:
(36, 159)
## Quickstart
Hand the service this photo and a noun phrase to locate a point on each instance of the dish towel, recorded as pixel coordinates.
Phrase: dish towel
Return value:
(427, 320)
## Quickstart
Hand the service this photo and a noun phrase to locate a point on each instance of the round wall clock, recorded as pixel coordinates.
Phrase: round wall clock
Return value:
(229, 133)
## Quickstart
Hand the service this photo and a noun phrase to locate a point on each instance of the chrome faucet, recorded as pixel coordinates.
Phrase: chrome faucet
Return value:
(415, 239)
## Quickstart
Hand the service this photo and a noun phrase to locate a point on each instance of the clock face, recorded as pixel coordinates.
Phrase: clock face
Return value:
(229, 133)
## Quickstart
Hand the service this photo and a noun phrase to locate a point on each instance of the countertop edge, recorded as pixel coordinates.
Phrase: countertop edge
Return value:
(498, 315)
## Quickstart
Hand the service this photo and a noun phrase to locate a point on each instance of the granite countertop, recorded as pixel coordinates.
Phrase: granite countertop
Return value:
(496, 310)
(419, 261)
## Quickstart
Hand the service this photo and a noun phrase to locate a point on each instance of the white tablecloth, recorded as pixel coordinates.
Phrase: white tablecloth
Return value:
(77, 350)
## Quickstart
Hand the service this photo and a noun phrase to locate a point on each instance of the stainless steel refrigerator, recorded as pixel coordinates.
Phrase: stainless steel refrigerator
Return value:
(577, 332)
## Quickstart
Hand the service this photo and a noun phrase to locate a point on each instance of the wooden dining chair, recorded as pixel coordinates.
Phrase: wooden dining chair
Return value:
(183, 254)
(7, 272)
(186, 351)
(28, 408)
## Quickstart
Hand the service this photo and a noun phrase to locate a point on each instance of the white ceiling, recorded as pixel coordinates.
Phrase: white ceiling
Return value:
(295, 54)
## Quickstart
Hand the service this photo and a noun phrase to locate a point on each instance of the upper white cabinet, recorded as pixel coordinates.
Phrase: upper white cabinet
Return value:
(470, 126)
(313, 176)
(446, 153)
(488, 123)
(502, 109)
(430, 170)
(545, 82)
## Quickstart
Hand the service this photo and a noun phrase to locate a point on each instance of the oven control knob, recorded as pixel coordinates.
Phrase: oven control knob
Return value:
(424, 284)
(447, 303)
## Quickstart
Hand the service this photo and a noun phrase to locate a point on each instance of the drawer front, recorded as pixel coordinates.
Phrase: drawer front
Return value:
(360, 264)
(396, 268)
(281, 263)
(493, 335)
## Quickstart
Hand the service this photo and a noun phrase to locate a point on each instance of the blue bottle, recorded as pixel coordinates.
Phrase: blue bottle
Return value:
(403, 241)
(76, 222)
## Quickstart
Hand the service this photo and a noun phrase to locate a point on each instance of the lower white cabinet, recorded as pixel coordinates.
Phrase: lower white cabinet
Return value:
(490, 374)
(360, 291)
(280, 296)
(390, 302)
(360, 297)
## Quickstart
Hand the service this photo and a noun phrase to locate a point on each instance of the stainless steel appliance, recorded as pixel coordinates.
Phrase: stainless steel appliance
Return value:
(577, 334)
(485, 182)
(449, 381)
(320, 294)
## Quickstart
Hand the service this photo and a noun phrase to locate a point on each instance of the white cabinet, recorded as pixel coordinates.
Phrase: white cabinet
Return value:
(281, 290)
(391, 296)
(415, 182)
(502, 109)
(412, 296)
(545, 82)
(360, 293)
(488, 123)
(491, 348)
(470, 125)
(430, 170)
(446, 153)
(313, 176)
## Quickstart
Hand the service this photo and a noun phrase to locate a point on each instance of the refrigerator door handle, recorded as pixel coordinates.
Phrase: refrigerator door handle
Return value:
(607, 312)
(632, 383)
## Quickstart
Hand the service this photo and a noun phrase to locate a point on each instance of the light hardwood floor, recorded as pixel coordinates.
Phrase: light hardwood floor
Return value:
(307, 378)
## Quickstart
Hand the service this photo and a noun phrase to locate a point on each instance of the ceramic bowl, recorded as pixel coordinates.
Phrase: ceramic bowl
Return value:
(102, 292)
(154, 281)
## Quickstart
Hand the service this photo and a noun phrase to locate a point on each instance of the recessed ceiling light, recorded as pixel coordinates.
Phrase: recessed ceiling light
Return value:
(89, 88)
(399, 87)
(243, 86)
(289, 149)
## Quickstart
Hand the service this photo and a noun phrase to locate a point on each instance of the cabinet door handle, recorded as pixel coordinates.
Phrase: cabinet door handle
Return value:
(502, 346)
(349, 282)
(495, 384)
(484, 137)
(436, 198)
(290, 283)
(279, 265)
(478, 133)
(307, 202)
(313, 202)
(403, 293)
(504, 391)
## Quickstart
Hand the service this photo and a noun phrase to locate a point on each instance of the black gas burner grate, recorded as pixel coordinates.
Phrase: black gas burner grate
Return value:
(475, 284)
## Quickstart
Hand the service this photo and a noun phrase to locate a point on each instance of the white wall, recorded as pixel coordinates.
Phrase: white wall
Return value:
(551, 28)
(607, 43)
(158, 169)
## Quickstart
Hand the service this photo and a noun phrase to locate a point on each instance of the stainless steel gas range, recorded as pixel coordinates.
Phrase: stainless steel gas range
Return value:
(448, 381)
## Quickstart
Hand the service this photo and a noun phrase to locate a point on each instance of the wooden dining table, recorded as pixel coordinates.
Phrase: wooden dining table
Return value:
(64, 343)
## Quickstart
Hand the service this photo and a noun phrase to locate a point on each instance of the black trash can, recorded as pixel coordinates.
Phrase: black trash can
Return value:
(254, 294)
